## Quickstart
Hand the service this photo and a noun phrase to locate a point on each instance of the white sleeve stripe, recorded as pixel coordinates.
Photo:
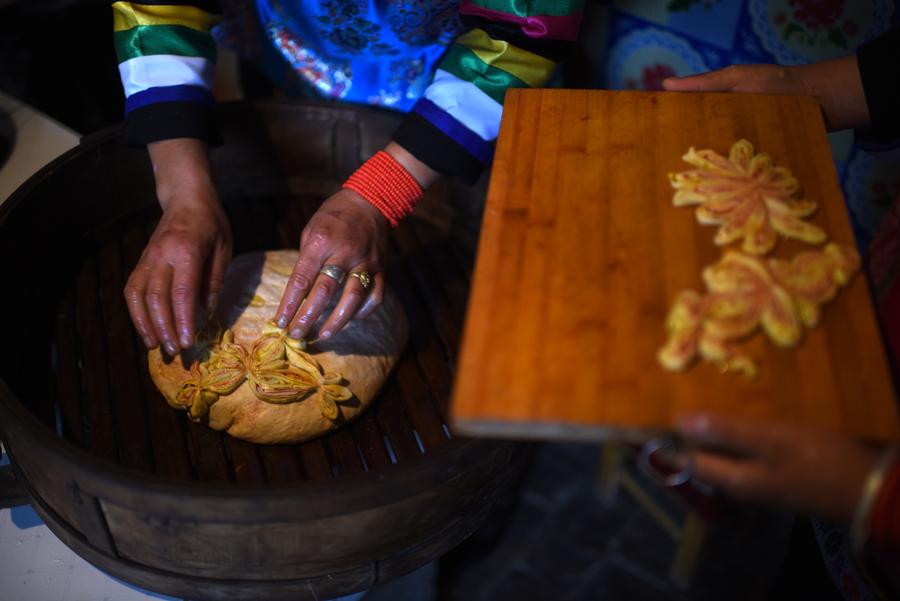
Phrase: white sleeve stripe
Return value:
(157, 70)
(466, 103)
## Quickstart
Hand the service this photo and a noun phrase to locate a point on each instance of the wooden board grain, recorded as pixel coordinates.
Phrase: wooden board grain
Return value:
(582, 254)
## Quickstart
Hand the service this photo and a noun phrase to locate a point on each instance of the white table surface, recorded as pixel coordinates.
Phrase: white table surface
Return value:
(39, 140)
(37, 566)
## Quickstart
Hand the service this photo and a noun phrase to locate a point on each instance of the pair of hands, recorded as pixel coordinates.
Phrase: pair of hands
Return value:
(185, 260)
(188, 253)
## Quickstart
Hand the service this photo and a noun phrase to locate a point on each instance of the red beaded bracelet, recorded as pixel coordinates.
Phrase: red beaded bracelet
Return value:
(387, 186)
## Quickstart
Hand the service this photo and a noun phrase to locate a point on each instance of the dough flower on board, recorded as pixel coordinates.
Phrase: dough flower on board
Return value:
(744, 293)
(747, 196)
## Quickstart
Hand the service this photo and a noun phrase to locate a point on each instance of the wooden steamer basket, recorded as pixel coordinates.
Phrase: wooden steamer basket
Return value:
(135, 488)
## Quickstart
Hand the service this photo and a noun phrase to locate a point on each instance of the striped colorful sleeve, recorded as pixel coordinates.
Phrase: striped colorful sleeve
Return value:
(510, 44)
(166, 61)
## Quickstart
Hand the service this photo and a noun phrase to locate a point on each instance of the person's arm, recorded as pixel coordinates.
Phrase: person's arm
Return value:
(835, 83)
(166, 61)
(859, 91)
(509, 44)
(880, 78)
(166, 58)
(188, 253)
(450, 131)
(806, 470)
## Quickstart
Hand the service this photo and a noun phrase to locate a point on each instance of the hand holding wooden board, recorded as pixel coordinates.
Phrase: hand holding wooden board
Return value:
(582, 254)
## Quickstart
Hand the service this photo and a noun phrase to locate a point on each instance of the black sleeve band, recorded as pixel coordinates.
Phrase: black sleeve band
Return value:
(880, 72)
(434, 148)
(167, 120)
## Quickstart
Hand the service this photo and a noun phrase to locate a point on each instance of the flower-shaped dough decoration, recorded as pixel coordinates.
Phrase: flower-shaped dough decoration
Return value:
(752, 201)
(745, 292)
(747, 196)
(278, 370)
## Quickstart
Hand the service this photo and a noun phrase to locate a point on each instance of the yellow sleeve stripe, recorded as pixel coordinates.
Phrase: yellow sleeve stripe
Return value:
(531, 68)
(128, 15)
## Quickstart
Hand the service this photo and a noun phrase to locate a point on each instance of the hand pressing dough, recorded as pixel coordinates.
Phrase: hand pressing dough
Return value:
(248, 379)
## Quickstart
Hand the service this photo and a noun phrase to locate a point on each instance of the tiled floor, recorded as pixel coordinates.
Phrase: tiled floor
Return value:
(562, 543)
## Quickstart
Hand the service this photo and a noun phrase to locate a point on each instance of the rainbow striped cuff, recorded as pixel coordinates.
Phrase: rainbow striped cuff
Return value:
(481, 149)
(453, 127)
(166, 62)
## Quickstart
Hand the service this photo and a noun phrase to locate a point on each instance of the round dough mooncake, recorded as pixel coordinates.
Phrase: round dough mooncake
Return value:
(246, 377)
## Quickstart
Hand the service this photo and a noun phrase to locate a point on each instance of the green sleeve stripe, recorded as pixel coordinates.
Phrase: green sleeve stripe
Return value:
(530, 8)
(146, 40)
(464, 64)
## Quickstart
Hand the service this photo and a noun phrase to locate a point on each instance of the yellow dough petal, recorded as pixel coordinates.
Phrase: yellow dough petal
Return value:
(328, 407)
(337, 392)
(281, 386)
(303, 361)
(779, 320)
(760, 164)
(224, 381)
(759, 235)
(846, 262)
(707, 159)
(726, 356)
(797, 208)
(792, 227)
(741, 153)
(687, 197)
(683, 325)
(809, 312)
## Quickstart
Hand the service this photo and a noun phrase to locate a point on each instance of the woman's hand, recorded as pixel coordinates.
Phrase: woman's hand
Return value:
(780, 464)
(836, 84)
(188, 252)
(346, 231)
(349, 232)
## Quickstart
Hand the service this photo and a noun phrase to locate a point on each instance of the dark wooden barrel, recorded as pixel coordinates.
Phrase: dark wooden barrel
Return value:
(169, 505)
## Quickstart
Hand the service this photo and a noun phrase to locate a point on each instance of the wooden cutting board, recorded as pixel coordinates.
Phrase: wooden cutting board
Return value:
(582, 254)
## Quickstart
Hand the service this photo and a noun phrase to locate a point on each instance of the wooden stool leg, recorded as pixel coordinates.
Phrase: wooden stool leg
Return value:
(689, 536)
(609, 474)
(693, 534)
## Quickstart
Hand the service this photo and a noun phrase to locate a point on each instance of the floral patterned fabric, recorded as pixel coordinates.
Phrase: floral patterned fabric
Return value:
(650, 40)
(374, 52)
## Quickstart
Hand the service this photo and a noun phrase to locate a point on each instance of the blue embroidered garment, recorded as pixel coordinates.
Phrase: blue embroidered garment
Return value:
(377, 52)
(415, 56)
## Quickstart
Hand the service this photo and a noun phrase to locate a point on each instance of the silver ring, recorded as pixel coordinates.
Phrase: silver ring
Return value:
(654, 445)
(334, 272)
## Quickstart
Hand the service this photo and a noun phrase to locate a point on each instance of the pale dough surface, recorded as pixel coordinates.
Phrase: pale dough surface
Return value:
(364, 352)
